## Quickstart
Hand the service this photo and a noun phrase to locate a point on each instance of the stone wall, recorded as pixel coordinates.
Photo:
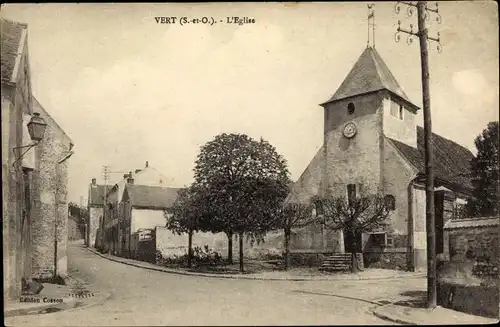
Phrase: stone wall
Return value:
(356, 160)
(12, 197)
(479, 243)
(95, 213)
(389, 259)
(17, 214)
(51, 206)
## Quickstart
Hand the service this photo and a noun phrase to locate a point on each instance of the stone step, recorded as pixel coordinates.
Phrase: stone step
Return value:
(329, 264)
(334, 268)
(336, 265)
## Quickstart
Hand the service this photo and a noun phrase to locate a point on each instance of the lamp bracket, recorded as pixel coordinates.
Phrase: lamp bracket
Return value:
(29, 146)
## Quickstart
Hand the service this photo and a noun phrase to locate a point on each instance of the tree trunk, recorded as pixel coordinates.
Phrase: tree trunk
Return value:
(230, 248)
(287, 248)
(354, 259)
(241, 251)
(190, 248)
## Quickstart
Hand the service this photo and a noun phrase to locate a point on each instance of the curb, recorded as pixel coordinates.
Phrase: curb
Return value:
(389, 317)
(295, 279)
(69, 303)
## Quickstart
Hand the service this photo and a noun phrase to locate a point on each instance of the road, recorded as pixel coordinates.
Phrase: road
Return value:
(146, 297)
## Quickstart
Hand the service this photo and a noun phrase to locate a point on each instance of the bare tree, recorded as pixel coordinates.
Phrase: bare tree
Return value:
(354, 216)
(291, 216)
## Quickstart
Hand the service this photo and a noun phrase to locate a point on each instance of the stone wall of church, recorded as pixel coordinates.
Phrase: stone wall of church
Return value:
(356, 160)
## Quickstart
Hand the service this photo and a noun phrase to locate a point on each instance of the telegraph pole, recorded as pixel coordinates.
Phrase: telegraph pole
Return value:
(423, 13)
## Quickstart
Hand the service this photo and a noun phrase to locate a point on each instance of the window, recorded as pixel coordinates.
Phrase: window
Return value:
(350, 108)
(397, 110)
(390, 202)
(379, 239)
(318, 208)
(351, 193)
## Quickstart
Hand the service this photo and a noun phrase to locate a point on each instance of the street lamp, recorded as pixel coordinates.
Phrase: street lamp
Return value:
(36, 129)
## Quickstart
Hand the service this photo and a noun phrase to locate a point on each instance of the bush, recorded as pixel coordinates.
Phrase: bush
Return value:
(201, 256)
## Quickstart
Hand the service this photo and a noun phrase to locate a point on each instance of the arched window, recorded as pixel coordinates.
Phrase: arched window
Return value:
(390, 202)
(350, 108)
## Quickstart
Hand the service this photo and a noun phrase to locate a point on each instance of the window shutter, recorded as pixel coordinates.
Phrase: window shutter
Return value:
(351, 193)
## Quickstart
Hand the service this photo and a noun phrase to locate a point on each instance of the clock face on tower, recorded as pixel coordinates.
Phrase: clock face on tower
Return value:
(349, 130)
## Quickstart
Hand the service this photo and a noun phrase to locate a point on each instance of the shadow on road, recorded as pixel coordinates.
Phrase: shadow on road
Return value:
(415, 299)
(335, 295)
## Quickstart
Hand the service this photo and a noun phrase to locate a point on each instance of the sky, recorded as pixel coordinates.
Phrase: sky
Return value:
(129, 90)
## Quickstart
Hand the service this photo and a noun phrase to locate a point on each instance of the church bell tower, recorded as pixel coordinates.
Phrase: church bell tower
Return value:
(368, 106)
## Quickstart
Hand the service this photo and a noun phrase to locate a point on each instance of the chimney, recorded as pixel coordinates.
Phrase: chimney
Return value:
(94, 182)
(147, 164)
(130, 179)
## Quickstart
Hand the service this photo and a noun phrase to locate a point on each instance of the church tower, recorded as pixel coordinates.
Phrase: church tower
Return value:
(368, 106)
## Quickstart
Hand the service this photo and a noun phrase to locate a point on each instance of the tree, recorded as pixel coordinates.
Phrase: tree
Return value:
(484, 173)
(290, 216)
(354, 216)
(184, 216)
(240, 175)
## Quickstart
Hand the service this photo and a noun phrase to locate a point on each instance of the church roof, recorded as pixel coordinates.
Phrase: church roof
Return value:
(369, 74)
(451, 160)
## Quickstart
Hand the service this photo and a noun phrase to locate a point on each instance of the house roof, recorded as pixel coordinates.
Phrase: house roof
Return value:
(369, 74)
(138, 180)
(96, 196)
(11, 36)
(451, 160)
(472, 222)
(150, 196)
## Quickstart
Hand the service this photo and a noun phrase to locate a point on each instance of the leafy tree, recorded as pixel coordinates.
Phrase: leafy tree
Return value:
(240, 176)
(354, 216)
(185, 215)
(484, 173)
(290, 216)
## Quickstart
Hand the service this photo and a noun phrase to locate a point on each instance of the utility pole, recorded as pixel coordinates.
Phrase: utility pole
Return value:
(423, 13)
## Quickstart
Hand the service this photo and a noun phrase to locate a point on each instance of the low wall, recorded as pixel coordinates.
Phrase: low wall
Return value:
(170, 244)
(474, 299)
(391, 258)
(476, 239)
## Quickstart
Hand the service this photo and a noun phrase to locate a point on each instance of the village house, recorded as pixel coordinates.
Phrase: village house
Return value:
(148, 176)
(49, 226)
(95, 207)
(372, 145)
(29, 138)
(16, 174)
(143, 208)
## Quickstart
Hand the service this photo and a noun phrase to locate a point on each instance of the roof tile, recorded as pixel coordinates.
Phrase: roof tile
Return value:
(451, 160)
(369, 74)
(11, 33)
(151, 196)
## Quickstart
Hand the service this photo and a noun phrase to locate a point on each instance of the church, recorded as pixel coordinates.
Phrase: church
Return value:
(372, 145)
